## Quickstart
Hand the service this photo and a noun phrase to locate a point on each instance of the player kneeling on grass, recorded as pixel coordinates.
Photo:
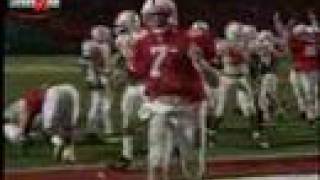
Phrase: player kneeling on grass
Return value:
(58, 107)
(174, 87)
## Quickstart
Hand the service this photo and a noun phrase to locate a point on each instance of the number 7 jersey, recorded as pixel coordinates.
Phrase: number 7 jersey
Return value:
(160, 59)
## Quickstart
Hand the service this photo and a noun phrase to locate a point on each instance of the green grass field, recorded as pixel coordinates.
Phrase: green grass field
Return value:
(23, 72)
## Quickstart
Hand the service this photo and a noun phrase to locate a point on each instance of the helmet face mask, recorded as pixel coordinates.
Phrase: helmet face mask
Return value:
(155, 20)
(233, 31)
(265, 37)
(119, 30)
(159, 13)
(127, 21)
(249, 32)
(200, 25)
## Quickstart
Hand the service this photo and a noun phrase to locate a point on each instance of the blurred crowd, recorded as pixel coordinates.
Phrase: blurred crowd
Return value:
(69, 24)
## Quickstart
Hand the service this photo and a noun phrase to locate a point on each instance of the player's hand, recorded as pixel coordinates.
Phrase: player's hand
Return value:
(195, 52)
(276, 16)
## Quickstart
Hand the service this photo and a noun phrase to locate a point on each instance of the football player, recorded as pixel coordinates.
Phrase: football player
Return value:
(96, 54)
(268, 49)
(127, 26)
(304, 47)
(210, 71)
(234, 52)
(174, 89)
(58, 107)
(314, 30)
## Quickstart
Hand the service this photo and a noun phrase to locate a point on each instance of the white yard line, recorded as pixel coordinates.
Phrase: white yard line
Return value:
(57, 168)
(264, 156)
(280, 177)
(42, 69)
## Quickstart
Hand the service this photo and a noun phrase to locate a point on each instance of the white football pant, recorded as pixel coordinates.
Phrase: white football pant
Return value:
(176, 126)
(131, 102)
(243, 92)
(60, 117)
(267, 95)
(305, 87)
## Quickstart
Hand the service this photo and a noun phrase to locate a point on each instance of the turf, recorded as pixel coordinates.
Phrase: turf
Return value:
(23, 72)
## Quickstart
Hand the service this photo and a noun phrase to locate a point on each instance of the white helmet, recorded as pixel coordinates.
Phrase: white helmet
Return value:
(200, 25)
(312, 29)
(127, 20)
(265, 35)
(233, 30)
(299, 29)
(167, 7)
(249, 32)
(101, 33)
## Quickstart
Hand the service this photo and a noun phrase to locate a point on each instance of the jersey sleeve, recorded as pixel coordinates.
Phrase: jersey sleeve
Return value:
(205, 41)
(139, 62)
(295, 45)
(34, 99)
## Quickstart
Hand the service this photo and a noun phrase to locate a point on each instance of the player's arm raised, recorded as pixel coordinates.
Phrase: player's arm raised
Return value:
(313, 19)
(278, 24)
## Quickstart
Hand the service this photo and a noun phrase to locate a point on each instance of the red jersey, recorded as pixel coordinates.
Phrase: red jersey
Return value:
(34, 99)
(306, 52)
(204, 40)
(161, 60)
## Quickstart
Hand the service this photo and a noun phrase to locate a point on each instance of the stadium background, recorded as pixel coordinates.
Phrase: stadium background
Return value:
(61, 30)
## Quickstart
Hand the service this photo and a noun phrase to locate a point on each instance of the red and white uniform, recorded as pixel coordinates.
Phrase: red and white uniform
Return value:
(305, 53)
(175, 90)
(59, 109)
(23, 114)
(161, 61)
(304, 76)
(235, 73)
